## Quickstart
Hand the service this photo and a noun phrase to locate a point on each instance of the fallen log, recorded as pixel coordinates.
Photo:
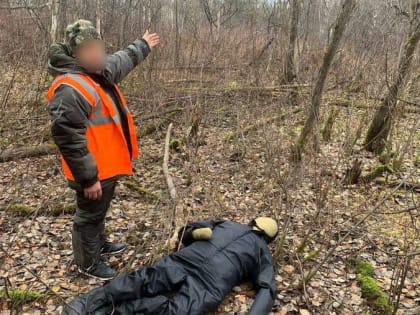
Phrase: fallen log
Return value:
(160, 114)
(49, 209)
(258, 124)
(177, 214)
(28, 152)
(410, 186)
(143, 193)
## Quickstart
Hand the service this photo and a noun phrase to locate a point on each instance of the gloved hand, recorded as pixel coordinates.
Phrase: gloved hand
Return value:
(202, 234)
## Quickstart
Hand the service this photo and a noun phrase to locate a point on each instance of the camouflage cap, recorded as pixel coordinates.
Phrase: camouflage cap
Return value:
(80, 31)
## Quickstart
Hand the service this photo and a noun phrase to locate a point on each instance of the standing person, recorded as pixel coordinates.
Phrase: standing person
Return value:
(94, 131)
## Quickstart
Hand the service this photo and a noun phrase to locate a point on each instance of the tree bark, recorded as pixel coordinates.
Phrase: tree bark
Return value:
(289, 69)
(178, 218)
(176, 48)
(380, 125)
(28, 152)
(340, 25)
(55, 4)
(98, 14)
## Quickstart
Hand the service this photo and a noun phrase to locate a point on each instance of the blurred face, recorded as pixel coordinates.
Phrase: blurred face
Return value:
(91, 55)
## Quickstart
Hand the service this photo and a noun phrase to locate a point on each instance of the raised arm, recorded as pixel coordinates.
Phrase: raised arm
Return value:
(121, 63)
(265, 284)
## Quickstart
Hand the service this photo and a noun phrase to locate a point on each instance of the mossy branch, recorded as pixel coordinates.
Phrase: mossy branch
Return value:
(28, 152)
(260, 123)
(145, 194)
(54, 210)
(20, 296)
(375, 297)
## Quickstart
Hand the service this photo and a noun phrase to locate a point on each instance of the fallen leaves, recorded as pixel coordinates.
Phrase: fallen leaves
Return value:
(218, 180)
(289, 268)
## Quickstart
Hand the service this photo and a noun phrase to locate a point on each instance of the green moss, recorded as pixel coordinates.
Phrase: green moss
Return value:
(386, 156)
(233, 85)
(53, 210)
(177, 145)
(57, 210)
(151, 128)
(147, 130)
(378, 171)
(311, 256)
(20, 209)
(375, 297)
(20, 296)
(365, 268)
(146, 195)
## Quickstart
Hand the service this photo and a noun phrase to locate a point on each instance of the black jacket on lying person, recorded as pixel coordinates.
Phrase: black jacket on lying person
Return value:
(197, 278)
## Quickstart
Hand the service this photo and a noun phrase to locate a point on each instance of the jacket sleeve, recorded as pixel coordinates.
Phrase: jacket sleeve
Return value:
(185, 233)
(70, 114)
(265, 284)
(120, 64)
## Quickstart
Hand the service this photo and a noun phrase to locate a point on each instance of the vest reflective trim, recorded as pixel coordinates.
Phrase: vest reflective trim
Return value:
(97, 118)
(116, 117)
(75, 77)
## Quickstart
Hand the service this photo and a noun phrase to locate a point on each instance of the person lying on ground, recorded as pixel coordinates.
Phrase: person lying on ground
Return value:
(218, 255)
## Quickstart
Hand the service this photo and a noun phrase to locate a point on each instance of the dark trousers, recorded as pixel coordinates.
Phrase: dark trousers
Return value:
(88, 235)
(145, 291)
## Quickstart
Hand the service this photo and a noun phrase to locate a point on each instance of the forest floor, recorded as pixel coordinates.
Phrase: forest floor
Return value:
(237, 179)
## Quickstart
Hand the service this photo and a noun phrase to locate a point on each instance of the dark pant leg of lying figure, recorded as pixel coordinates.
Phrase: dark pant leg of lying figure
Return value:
(218, 256)
(143, 292)
(191, 298)
(143, 283)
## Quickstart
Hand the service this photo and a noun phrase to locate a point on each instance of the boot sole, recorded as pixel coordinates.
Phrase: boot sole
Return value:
(114, 253)
(93, 276)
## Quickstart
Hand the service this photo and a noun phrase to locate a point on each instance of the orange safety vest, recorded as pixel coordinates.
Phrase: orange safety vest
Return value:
(104, 133)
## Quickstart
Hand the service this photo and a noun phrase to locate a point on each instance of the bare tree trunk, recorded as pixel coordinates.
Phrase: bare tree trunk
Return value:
(62, 19)
(380, 126)
(340, 25)
(98, 15)
(55, 4)
(176, 49)
(289, 69)
(149, 13)
(218, 24)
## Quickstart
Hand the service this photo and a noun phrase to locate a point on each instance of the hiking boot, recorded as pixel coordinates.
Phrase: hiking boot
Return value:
(99, 271)
(112, 249)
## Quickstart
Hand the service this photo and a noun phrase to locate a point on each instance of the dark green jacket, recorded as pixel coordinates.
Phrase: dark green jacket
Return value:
(70, 111)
